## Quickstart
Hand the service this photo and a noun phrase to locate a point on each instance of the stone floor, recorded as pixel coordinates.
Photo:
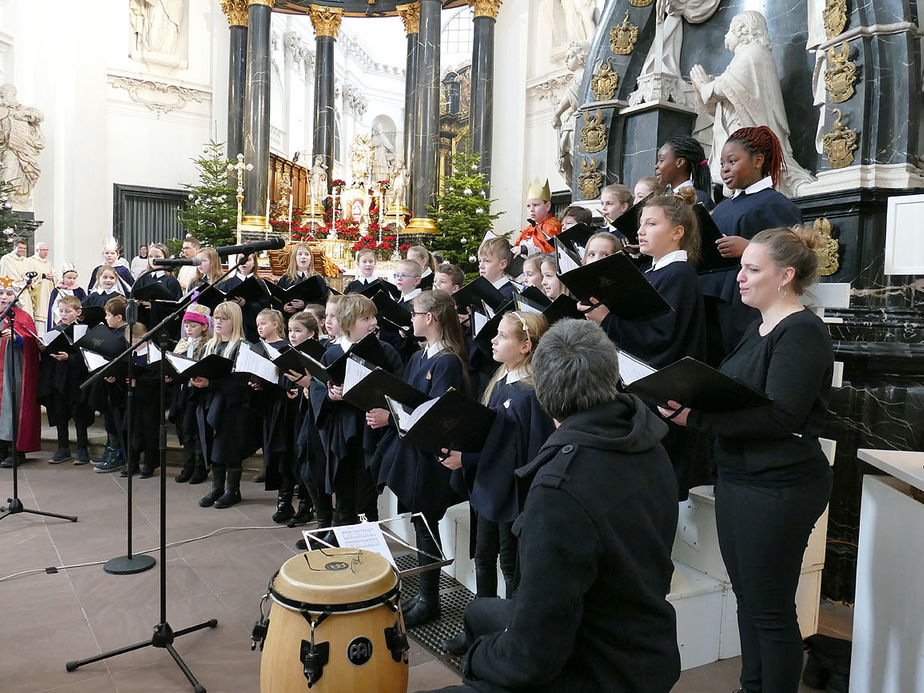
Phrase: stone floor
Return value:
(49, 619)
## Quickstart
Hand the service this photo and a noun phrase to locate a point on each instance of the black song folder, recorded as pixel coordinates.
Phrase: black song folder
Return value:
(312, 289)
(365, 386)
(296, 358)
(479, 289)
(388, 309)
(711, 260)
(212, 366)
(453, 421)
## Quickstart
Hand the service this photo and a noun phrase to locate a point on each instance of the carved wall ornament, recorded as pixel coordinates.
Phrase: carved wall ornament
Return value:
(235, 11)
(159, 97)
(841, 74)
(835, 17)
(591, 180)
(486, 8)
(604, 82)
(640, 3)
(325, 20)
(623, 37)
(829, 249)
(593, 134)
(840, 143)
(410, 15)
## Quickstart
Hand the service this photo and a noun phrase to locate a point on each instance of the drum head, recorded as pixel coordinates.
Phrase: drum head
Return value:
(335, 576)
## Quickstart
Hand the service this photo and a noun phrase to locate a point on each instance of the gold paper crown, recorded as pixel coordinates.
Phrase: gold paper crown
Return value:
(538, 191)
(68, 267)
(111, 244)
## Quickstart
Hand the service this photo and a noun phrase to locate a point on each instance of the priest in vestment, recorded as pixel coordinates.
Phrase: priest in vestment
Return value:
(42, 286)
(14, 266)
(537, 237)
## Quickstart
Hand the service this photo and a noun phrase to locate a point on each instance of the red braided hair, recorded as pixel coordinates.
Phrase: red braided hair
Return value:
(762, 140)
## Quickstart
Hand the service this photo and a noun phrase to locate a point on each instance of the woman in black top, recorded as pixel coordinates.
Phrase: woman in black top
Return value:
(773, 479)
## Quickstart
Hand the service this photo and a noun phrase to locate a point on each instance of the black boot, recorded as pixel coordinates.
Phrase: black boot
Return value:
(427, 606)
(200, 473)
(284, 509)
(218, 486)
(485, 581)
(232, 495)
(189, 464)
(305, 507)
(457, 645)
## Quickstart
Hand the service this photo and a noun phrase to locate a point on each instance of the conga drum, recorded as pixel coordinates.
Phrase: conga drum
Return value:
(334, 625)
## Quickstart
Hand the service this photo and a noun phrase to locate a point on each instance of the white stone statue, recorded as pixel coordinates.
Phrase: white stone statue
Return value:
(566, 110)
(21, 141)
(317, 183)
(580, 18)
(156, 24)
(664, 54)
(747, 94)
(384, 154)
(361, 151)
(397, 195)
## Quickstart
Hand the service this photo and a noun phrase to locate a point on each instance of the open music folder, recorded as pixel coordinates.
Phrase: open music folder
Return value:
(452, 421)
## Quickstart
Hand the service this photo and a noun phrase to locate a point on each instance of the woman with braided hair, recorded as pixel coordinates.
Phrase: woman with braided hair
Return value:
(682, 163)
(752, 161)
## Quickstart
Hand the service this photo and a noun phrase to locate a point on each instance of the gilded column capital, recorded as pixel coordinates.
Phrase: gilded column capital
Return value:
(325, 20)
(410, 15)
(268, 3)
(486, 8)
(235, 11)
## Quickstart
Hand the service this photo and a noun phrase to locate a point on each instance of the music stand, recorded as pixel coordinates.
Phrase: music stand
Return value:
(164, 635)
(15, 505)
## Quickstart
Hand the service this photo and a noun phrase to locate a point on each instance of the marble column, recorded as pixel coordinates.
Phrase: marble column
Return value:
(256, 112)
(427, 135)
(326, 23)
(410, 15)
(236, 11)
(481, 112)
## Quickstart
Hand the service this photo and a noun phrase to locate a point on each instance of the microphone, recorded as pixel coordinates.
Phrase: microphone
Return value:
(31, 275)
(177, 262)
(249, 248)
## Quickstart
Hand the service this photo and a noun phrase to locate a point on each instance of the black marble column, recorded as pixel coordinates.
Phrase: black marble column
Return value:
(481, 114)
(237, 73)
(256, 112)
(323, 143)
(426, 137)
(410, 108)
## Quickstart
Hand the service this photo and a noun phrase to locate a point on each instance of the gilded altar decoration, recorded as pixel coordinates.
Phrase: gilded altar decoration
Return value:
(841, 74)
(840, 143)
(486, 8)
(835, 17)
(235, 11)
(640, 3)
(593, 134)
(623, 37)
(604, 82)
(410, 15)
(591, 180)
(325, 20)
(828, 250)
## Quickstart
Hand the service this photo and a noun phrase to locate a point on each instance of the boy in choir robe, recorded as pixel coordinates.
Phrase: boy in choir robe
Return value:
(537, 237)
(494, 257)
(448, 278)
(108, 396)
(407, 279)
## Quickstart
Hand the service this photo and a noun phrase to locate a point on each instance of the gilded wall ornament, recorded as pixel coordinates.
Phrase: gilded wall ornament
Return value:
(841, 74)
(829, 249)
(486, 8)
(410, 15)
(623, 37)
(325, 20)
(591, 180)
(593, 134)
(840, 143)
(640, 3)
(604, 82)
(235, 11)
(835, 17)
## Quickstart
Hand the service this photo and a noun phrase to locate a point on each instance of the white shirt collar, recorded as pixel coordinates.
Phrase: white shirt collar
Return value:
(762, 184)
(685, 184)
(414, 294)
(426, 273)
(344, 342)
(241, 276)
(500, 282)
(434, 349)
(515, 376)
(673, 256)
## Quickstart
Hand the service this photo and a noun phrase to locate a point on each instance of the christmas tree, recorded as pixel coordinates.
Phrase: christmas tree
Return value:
(9, 222)
(211, 215)
(462, 213)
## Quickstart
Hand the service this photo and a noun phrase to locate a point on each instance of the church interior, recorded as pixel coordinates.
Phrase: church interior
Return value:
(347, 126)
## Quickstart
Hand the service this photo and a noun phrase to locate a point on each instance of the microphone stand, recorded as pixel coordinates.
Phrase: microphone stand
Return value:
(15, 505)
(164, 635)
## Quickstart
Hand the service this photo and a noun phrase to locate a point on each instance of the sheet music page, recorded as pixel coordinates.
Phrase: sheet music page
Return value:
(249, 362)
(154, 353)
(50, 336)
(79, 331)
(93, 360)
(565, 262)
(524, 307)
(179, 363)
(419, 412)
(480, 321)
(272, 353)
(488, 310)
(355, 371)
(632, 369)
(401, 413)
(366, 536)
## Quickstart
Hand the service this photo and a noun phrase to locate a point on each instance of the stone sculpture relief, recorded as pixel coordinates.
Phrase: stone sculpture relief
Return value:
(566, 110)
(21, 142)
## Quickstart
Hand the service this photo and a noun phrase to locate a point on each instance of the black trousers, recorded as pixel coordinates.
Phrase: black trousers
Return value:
(494, 540)
(763, 533)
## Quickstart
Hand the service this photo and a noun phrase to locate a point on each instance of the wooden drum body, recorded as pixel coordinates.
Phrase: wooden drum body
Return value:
(335, 625)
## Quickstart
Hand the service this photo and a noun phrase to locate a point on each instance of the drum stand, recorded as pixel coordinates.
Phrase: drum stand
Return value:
(15, 505)
(164, 635)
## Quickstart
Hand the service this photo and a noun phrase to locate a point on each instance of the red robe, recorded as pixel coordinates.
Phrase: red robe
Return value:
(541, 237)
(30, 422)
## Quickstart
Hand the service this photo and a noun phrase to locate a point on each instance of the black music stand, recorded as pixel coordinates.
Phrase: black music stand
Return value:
(164, 635)
(15, 505)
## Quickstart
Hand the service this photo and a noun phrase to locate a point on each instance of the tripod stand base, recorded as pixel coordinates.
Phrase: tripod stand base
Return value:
(129, 565)
(163, 637)
(15, 507)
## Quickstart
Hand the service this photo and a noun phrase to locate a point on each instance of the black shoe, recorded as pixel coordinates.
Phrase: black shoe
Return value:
(200, 474)
(82, 456)
(7, 462)
(284, 510)
(304, 514)
(424, 611)
(184, 475)
(61, 454)
(409, 604)
(301, 545)
(147, 472)
(457, 645)
(232, 494)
